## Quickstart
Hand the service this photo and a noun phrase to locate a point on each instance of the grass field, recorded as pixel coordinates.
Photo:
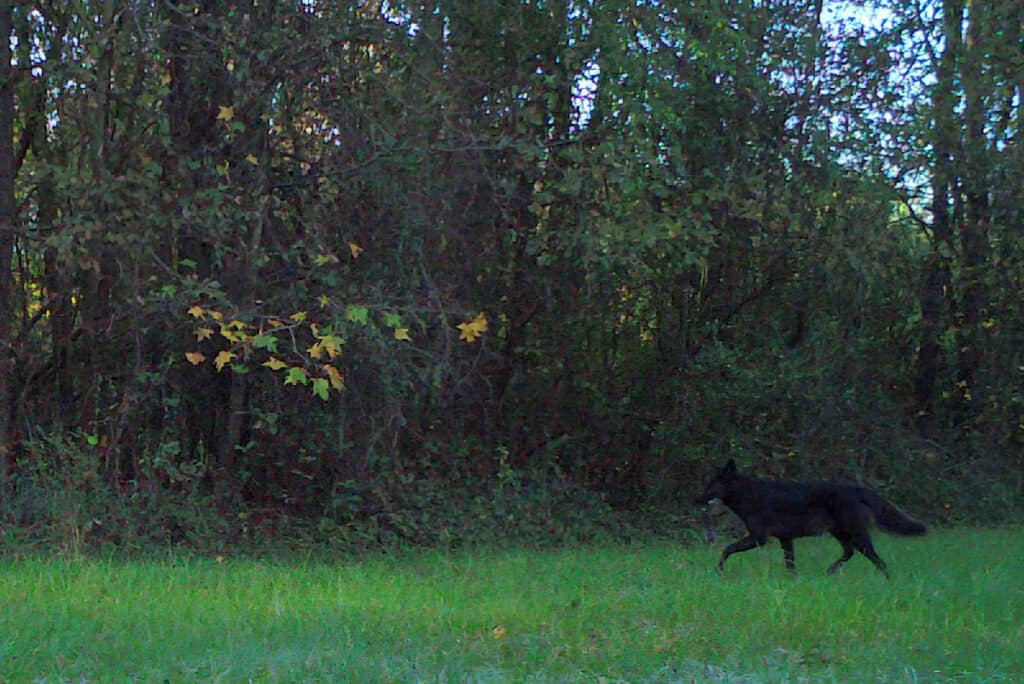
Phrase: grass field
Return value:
(954, 611)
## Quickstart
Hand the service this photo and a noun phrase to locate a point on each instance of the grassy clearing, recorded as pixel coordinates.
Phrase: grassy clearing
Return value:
(953, 612)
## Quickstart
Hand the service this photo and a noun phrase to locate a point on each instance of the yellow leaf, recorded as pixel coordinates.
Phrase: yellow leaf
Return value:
(498, 632)
(229, 334)
(251, 158)
(195, 358)
(225, 113)
(204, 334)
(332, 345)
(325, 301)
(276, 323)
(196, 311)
(473, 329)
(298, 316)
(402, 334)
(274, 363)
(324, 259)
(166, 78)
(217, 315)
(223, 359)
(316, 351)
(337, 382)
(355, 249)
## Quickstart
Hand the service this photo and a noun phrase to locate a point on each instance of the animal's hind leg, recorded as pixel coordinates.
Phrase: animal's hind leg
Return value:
(848, 550)
(865, 546)
(787, 552)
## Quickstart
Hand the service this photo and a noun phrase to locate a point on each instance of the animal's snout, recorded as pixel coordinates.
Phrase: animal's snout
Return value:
(705, 503)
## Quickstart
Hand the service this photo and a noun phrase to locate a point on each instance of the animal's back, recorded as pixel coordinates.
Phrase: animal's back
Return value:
(785, 508)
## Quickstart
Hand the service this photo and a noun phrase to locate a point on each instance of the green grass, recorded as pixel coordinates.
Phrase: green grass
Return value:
(954, 611)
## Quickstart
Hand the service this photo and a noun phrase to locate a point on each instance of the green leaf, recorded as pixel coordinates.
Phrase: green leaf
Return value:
(321, 388)
(296, 376)
(268, 342)
(357, 314)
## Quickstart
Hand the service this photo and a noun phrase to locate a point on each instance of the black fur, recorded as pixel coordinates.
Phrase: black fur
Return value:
(787, 510)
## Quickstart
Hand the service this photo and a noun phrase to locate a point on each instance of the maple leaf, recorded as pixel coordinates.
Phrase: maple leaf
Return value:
(251, 158)
(473, 329)
(268, 342)
(195, 358)
(166, 78)
(334, 375)
(402, 334)
(320, 388)
(225, 113)
(298, 316)
(324, 259)
(316, 351)
(274, 363)
(296, 376)
(232, 333)
(332, 345)
(355, 249)
(357, 314)
(204, 333)
(325, 301)
(196, 311)
(223, 359)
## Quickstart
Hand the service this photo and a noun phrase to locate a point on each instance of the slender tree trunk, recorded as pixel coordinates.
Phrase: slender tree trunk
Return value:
(936, 278)
(7, 228)
(974, 243)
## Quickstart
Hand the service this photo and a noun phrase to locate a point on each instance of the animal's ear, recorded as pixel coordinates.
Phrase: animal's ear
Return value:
(730, 467)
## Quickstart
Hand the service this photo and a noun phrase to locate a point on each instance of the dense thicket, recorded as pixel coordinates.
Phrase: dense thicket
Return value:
(433, 271)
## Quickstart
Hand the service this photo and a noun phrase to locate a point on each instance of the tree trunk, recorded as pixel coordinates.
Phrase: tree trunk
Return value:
(974, 243)
(933, 295)
(7, 228)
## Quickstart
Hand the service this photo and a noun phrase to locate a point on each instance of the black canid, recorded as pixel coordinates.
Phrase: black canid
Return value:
(787, 510)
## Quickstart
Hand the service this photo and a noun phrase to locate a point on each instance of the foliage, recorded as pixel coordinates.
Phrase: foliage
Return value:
(331, 260)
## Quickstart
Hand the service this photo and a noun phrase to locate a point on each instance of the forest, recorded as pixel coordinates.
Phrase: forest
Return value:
(438, 273)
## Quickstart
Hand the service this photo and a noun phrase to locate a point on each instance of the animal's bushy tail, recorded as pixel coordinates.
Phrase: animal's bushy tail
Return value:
(889, 516)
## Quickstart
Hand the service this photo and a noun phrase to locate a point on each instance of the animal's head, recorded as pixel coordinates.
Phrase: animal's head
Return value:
(718, 486)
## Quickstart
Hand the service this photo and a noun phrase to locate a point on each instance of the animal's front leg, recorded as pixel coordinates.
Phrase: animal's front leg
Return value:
(787, 552)
(745, 544)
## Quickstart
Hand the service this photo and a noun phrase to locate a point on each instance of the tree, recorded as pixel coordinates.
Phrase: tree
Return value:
(7, 234)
